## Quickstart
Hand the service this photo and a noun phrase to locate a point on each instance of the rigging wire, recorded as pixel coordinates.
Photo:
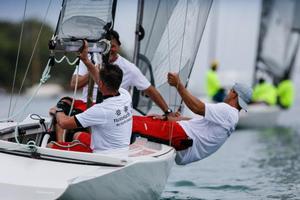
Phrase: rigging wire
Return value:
(75, 90)
(169, 66)
(169, 59)
(17, 60)
(181, 50)
(33, 51)
(190, 72)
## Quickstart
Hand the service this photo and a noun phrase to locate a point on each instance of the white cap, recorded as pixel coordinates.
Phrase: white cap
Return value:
(244, 94)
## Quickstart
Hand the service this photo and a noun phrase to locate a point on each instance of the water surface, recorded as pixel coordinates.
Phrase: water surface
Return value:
(252, 164)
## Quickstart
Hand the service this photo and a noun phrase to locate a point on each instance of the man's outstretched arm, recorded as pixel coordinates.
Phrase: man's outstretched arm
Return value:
(157, 98)
(93, 69)
(194, 104)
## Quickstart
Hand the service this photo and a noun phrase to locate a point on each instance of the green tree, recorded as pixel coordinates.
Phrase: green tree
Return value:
(9, 41)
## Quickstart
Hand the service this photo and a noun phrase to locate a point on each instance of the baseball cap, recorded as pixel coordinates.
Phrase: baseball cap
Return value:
(115, 35)
(244, 93)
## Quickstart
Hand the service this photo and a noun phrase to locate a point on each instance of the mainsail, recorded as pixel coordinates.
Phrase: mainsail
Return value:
(172, 32)
(278, 39)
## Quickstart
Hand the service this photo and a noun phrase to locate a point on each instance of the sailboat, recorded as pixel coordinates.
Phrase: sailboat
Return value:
(278, 45)
(32, 171)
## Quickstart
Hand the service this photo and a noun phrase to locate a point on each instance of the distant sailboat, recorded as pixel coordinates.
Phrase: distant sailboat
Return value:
(278, 44)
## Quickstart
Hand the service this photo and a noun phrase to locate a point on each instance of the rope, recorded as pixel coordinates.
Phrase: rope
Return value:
(41, 120)
(30, 145)
(75, 90)
(67, 59)
(76, 61)
(31, 57)
(73, 144)
(169, 66)
(172, 125)
(17, 60)
(190, 72)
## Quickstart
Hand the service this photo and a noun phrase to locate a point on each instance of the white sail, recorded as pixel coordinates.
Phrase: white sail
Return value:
(278, 39)
(173, 31)
(83, 20)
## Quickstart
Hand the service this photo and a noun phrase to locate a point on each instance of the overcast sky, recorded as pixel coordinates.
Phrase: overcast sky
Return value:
(13, 10)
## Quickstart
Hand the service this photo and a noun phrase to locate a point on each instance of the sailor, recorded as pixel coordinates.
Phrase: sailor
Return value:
(213, 85)
(110, 121)
(285, 92)
(264, 92)
(196, 138)
(132, 77)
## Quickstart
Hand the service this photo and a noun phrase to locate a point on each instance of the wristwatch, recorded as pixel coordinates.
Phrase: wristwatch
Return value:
(168, 111)
(59, 110)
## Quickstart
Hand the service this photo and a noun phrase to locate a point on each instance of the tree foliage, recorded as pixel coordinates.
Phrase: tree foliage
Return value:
(9, 41)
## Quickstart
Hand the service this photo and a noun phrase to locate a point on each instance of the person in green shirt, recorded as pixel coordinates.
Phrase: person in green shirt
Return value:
(264, 92)
(213, 85)
(285, 92)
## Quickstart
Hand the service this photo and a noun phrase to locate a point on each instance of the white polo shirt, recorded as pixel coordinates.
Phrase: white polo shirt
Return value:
(110, 122)
(132, 76)
(208, 132)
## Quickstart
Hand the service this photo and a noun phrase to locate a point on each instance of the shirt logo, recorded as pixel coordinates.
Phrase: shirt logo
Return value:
(118, 112)
(126, 109)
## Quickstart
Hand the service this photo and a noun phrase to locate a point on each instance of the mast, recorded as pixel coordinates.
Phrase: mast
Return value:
(139, 31)
(294, 31)
(214, 13)
(262, 31)
(105, 57)
(91, 83)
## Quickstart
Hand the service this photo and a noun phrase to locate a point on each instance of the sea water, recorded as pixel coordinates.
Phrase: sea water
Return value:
(252, 164)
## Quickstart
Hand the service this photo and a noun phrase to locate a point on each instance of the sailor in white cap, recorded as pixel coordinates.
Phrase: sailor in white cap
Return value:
(208, 131)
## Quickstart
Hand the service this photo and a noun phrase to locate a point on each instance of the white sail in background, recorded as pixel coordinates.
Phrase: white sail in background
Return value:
(278, 40)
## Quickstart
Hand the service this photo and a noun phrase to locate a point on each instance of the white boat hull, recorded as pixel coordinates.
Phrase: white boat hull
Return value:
(259, 116)
(29, 178)
(139, 181)
(56, 174)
